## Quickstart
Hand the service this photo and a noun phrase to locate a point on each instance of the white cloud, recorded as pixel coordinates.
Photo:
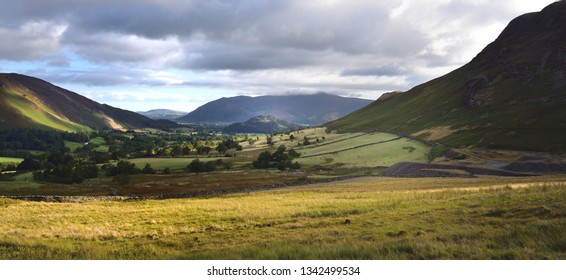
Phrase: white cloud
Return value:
(31, 40)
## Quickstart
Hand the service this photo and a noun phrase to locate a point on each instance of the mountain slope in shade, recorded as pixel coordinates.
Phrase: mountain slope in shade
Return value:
(163, 114)
(30, 102)
(512, 95)
(262, 124)
(302, 109)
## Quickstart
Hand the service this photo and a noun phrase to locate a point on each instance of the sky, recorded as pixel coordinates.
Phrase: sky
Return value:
(179, 54)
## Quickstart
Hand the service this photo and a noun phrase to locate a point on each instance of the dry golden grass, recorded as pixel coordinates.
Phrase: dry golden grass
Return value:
(376, 218)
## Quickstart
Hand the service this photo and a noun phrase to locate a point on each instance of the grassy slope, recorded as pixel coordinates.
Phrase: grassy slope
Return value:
(388, 219)
(32, 112)
(31, 102)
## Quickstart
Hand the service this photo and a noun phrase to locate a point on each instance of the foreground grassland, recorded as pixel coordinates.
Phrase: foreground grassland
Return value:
(370, 218)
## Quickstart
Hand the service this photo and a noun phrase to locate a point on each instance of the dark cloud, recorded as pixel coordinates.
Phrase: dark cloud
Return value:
(347, 47)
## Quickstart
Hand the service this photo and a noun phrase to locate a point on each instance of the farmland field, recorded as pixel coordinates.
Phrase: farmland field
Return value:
(367, 153)
(10, 160)
(371, 218)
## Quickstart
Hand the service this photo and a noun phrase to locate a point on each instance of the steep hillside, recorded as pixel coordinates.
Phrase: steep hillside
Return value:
(262, 124)
(30, 102)
(302, 109)
(512, 95)
(163, 114)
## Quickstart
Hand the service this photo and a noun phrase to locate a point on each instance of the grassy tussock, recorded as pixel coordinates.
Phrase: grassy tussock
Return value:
(373, 219)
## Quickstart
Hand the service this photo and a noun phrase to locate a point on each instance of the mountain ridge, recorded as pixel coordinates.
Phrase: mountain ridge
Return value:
(311, 110)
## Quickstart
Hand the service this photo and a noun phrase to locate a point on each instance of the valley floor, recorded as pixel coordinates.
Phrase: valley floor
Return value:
(370, 218)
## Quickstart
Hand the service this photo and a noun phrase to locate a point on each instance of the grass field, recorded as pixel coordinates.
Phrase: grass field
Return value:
(10, 160)
(346, 150)
(20, 182)
(375, 218)
(72, 146)
(370, 155)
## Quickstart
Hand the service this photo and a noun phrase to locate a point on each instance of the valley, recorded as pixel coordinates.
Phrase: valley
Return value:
(470, 165)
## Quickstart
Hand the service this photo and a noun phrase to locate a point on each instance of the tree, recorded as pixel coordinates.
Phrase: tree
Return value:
(280, 159)
(204, 150)
(222, 148)
(148, 169)
(263, 160)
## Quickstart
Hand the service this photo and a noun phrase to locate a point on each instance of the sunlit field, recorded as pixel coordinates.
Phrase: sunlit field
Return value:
(368, 218)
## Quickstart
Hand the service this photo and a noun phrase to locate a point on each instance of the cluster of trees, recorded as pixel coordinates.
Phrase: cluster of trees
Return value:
(58, 167)
(31, 139)
(197, 166)
(280, 159)
(228, 144)
(124, 167)
(69, 173)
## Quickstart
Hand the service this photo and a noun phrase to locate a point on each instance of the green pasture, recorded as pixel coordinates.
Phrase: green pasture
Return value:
(10, 160)
(20, 181)
(346, 143)
(384, 154)
(73, 146)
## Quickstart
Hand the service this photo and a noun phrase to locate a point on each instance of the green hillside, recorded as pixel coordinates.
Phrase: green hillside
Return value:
(33, 103)
(511, 95)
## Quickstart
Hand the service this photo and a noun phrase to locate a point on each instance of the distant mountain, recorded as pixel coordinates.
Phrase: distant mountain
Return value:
(262, 124)
(302, 109)
(512, 95)
(163, 114)
(30, 102)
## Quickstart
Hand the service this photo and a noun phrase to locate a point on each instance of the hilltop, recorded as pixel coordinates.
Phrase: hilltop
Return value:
(28, 102)
(310, 110)
(510, 96)
(262, 124)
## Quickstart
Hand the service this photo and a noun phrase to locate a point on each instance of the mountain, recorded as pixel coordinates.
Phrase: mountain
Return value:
(512, 95)
(302, 109)
(30, 102)
(262, 124)
(163, 114)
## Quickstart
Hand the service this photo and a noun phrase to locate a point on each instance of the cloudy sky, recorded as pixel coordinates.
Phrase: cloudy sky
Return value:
(180, 54)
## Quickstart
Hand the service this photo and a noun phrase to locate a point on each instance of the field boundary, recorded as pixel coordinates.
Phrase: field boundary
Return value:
(331, 142)
(352, 148)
